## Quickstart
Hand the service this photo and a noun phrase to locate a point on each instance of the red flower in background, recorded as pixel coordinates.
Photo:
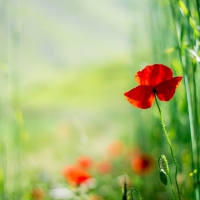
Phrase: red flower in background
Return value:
(142, 164)
(75, 174)
(153, 80)
(85, 162)
(104, 167)
(115, 148)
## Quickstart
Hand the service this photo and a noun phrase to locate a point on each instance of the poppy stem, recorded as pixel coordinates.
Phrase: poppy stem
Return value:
(171, 150)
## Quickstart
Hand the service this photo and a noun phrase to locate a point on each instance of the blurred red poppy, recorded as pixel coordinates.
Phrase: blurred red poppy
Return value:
(104, 167)
(142, 164)
(76, 175)
(85, 162)
(153, 80)
(115, 148)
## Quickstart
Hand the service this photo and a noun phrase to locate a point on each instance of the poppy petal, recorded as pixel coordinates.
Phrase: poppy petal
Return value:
(141, 96)
(166, 90)
(153, 75)
(75, 174)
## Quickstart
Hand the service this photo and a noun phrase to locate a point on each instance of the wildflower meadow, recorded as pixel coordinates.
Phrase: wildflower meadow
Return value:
(99, 100)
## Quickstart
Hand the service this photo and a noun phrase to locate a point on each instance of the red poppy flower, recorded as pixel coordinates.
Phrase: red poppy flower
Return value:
(85, 162)
(153, 80)
(75, 174)
(104, 167)
(142, 164)
(115, 148)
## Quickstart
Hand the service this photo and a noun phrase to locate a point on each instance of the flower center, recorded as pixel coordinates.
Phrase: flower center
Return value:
(154, 90)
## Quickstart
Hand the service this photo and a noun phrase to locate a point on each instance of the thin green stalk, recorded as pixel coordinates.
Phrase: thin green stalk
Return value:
(171, 184)
(198, 9)
(191, 121)
(195, 106)
(189, 102)
(188, 96)
(170, 147)
(197, 187)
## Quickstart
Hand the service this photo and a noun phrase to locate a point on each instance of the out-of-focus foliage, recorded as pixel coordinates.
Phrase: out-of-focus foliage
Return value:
(64, 67)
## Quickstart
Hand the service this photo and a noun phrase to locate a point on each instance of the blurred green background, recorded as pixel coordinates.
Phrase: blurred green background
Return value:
(66, 66)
